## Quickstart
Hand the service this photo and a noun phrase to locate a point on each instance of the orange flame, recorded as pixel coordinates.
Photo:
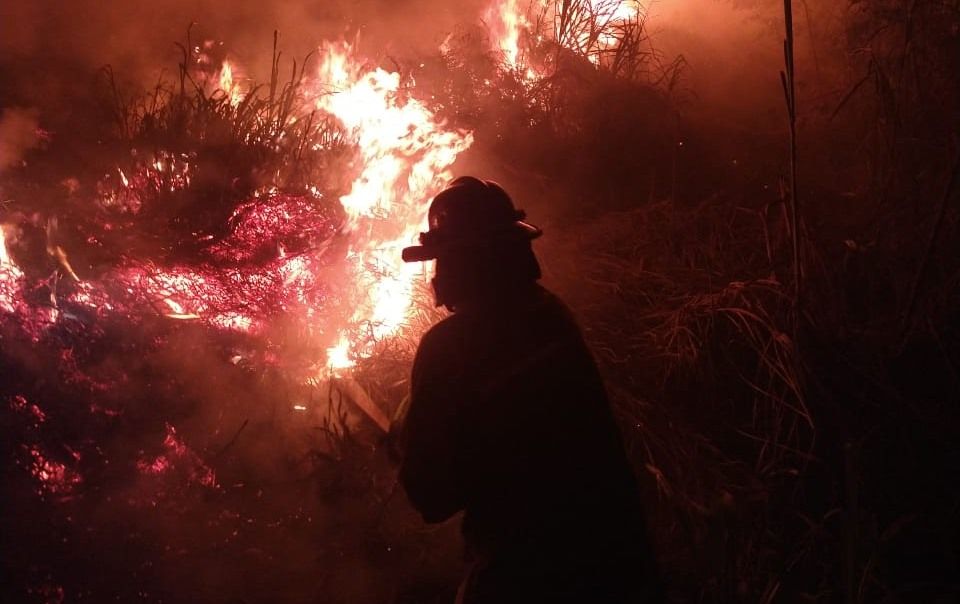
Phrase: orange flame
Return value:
(229, 86)
(590, 32)
(338, 356)
(4, 255)
(506, 21)
(10, 275)
(406, 154)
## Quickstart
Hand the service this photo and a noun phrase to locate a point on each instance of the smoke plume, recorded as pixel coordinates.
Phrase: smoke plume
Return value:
(18, 134)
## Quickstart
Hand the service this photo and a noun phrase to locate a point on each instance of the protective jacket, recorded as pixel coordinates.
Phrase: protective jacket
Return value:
(509, 421)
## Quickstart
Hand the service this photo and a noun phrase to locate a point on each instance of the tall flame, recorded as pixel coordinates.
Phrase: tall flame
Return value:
(406, 154)
(228, 85)
(506, 20)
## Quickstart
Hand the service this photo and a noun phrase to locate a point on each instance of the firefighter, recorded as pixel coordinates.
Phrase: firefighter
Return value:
(509, 421)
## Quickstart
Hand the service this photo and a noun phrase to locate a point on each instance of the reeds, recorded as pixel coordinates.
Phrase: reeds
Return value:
(610, 34)
(268, 130)
(788, 80)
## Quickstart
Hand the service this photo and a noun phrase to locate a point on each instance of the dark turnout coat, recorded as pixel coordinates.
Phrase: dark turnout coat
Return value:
(509, 421)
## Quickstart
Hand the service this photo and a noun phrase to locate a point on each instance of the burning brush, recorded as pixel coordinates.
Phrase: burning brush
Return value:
(283, 262)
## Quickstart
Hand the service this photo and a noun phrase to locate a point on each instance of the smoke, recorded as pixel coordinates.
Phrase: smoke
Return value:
(140, 36)
(18, 134)
(732, 47)
(734, 52)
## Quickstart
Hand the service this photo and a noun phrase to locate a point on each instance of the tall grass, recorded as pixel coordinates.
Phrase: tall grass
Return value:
(271, 130)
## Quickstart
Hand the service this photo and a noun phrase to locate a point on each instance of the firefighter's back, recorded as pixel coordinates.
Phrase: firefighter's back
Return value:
(552, 512)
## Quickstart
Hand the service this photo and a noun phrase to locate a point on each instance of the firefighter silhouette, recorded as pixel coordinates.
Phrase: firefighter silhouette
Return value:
(509, 421)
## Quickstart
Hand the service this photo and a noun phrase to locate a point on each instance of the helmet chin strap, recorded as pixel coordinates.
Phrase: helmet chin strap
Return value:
(442, 293)
(438, 297)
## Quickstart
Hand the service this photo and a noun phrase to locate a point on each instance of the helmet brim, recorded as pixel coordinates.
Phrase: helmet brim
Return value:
(422, 253)
(418, 253)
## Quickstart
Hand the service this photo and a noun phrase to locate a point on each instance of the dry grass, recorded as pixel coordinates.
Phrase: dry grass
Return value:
(267, 130)
(708, 386)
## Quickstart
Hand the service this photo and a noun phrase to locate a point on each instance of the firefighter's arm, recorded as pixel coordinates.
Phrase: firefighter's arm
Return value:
(430, 471)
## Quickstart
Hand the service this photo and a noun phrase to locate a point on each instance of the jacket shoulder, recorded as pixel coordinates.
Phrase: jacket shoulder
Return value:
(441, 338)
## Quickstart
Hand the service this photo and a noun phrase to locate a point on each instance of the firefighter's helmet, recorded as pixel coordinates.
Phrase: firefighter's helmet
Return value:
(470, 214)
(480, 241)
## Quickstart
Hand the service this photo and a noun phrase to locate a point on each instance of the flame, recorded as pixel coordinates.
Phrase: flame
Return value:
(176, 454)
(608, 15)
(4, 255)
(406, 154)
(589, 28)
(338, 357)
(10, 278)
(229, 86)
(506, 21)
(63, 260)
(623, 11)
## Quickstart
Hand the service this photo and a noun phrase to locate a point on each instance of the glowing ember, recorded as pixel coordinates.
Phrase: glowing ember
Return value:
(276, 225)
(145, 181)
(266, 267)
(176, 454)
(20, 404)
(228, 298)
(54, 477)
(406, 157)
